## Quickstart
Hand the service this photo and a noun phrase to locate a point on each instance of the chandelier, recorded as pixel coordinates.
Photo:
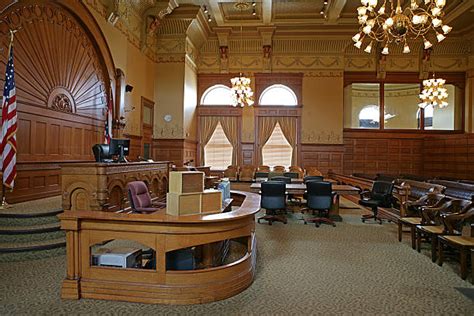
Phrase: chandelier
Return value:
(242, 93)
(434, 93)
(389, 23)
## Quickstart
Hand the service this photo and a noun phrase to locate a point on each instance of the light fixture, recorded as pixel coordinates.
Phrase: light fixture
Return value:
(434, 93)
(242, 93)
(386, 21)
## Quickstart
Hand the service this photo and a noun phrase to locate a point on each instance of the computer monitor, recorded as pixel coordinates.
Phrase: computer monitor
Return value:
(120, 148)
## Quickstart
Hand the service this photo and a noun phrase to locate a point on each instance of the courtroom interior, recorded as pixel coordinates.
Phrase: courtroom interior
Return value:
(232, 157)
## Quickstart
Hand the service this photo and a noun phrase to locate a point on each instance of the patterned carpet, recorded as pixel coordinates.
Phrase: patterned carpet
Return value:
(353, 268)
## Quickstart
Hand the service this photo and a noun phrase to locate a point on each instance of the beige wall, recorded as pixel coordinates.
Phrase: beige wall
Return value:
(138, 71)
(322, 116)
(190, 103)
(169, 93)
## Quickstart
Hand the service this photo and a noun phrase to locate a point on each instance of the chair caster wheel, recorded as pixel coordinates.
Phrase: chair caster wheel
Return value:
(305, 222)
(363, 220)
(317, 225)
(333, 225)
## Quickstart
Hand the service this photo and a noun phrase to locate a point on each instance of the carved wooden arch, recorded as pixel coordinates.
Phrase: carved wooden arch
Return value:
(294, 81)
(80, 192)
(62, 59)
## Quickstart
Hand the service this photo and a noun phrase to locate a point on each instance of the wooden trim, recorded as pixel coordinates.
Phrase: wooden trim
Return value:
(278, 111)
(211, 110)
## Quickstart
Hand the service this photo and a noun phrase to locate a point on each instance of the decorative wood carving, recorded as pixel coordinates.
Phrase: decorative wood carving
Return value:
(62, 67)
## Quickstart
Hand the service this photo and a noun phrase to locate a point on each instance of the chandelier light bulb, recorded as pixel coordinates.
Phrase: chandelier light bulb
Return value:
(358, 44)
(372, 3)
(382, 10)
(427, 44)
(436, 22)
(362, 10)
(440, 3)
(416, 19)
(440, 37)
(367, 29)
(356, 37)
(446, 29)
(368, 49)
(385, 50)
(364, 2)
(389, 22)
(406, 49)
(414, 5)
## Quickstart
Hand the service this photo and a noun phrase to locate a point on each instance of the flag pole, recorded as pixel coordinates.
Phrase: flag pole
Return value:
(3, 203)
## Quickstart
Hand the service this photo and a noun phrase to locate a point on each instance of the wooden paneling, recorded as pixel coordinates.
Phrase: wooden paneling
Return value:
(136, 148)
(62, 71)
(176, 150)
(449, 156)
(323, 157)
(248, 154)
(373, 152)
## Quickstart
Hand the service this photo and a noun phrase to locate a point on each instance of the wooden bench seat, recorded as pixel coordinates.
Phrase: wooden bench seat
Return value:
(433, 232)
(465, 245)
(411, 222)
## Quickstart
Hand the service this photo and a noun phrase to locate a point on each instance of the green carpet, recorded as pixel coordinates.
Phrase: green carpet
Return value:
(353, 268)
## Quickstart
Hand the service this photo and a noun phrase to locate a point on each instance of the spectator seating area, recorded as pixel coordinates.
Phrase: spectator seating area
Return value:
(439, 213)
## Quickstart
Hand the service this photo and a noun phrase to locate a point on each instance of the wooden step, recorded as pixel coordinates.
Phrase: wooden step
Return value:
(31, 229)
(32, 246)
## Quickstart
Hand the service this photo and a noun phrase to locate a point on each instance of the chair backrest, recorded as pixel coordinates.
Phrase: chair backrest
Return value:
(292, 175)
(319, 195)
(313, 171)
(382, 191)
(138, 195)
(101, 152)
(273, 195)
(281, 178)
(313, 178)
(263, 168)
(279, 169)
(298, 170)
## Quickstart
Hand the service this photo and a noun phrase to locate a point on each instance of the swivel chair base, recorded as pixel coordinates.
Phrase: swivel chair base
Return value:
(372, 216)
(273, 218)
(317, 220)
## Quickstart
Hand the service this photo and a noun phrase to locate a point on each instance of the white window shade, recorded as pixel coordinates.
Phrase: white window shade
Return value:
(277, 151)
(218, 151)
(278, 94)
(217, 95)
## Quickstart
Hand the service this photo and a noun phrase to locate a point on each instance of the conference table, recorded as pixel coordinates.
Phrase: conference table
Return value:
(300, 188)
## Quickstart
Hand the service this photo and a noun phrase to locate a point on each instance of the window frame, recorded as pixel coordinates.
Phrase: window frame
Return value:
(455, 78)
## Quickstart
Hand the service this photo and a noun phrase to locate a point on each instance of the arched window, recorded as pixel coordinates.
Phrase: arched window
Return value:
(218, 151)
(278, 94)
(277, 150)
(429, 111)
(217, 95)
(369, 117)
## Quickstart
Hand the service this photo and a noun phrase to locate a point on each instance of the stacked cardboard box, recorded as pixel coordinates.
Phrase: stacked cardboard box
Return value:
(187, 195)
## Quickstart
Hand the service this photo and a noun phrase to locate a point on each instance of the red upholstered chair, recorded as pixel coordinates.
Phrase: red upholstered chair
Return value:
(140, 198)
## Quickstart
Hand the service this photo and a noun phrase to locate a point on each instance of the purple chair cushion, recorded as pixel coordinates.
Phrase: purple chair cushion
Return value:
(140, 197)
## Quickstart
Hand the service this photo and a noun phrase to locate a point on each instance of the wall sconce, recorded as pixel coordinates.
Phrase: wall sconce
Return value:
(118, 123)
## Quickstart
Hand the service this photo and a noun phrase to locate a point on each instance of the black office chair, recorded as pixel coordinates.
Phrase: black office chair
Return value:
(379, 196)
(101, 152)
(319, 198)
(273, 199)
(313, 178)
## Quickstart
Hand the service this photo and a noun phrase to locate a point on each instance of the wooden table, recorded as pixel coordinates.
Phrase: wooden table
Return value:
(300, 188)
(294, 180)
(163, 233)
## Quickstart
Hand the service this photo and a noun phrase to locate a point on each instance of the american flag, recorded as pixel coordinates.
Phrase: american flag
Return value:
(9, 125)
(108, 121)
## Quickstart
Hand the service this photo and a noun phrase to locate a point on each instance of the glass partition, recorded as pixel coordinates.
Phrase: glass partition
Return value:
(361, 105)
(401, 105)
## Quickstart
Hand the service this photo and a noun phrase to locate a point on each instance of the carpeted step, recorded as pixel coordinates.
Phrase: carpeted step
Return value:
(29, 220)
(32, 255)
(24, 238)
(33, 245)
(12, 213)
(31, 229)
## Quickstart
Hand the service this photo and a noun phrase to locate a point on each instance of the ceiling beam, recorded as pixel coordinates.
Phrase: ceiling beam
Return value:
(335, 9)
(267, 11)
(216, 12)
(458, 11)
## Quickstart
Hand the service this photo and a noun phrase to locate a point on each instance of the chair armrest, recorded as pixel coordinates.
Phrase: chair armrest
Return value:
(365, 194)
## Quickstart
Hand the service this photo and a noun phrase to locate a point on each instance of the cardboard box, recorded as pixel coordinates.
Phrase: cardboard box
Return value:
(183, 204)
(186, 182)
(211, 201)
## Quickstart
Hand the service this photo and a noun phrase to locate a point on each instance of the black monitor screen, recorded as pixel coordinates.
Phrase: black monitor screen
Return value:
(116, 145)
